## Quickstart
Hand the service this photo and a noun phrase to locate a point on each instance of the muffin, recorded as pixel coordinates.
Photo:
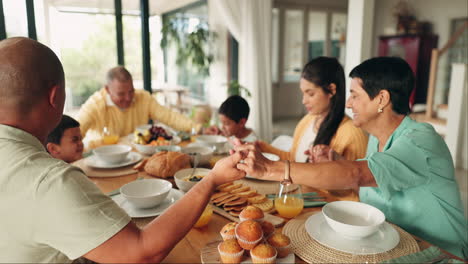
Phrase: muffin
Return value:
(228, 231)
(251, 213)
(263, 253)
(248, 234)
(268, 228)
(281, 243)
(230, 251)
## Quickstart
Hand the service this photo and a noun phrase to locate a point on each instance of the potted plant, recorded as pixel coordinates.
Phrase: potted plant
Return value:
(235, 88)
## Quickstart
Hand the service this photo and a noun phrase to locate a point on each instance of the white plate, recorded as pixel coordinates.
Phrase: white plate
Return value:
(385, 239)
(134, 212)
(93, 161)
(288, 259)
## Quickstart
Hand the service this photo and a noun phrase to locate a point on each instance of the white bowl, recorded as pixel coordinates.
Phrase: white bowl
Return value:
(173, 148)
(353, 220)
(218, 142)
(146, 193)
(145, 149)
(184, 173)
(204, 154)
(112, 154)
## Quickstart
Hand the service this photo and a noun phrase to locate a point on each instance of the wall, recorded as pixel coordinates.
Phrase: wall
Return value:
(438, 12)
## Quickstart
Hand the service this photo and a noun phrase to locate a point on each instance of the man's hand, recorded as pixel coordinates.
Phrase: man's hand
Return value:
(225, 170)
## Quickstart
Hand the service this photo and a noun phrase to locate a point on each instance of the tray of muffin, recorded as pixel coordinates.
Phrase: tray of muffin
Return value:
(252, 240)
(231, 198)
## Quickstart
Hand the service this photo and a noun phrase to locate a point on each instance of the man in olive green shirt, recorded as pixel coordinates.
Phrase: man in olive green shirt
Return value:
(51, 212)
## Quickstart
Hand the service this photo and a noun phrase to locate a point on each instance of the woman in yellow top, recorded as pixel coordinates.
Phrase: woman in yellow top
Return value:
(323, 88)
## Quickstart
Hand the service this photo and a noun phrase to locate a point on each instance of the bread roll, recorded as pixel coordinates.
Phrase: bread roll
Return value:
(166, 163)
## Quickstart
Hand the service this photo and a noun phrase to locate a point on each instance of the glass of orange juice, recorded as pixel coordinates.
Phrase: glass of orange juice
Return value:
(289, 201)
(205, 217)
(108, 137)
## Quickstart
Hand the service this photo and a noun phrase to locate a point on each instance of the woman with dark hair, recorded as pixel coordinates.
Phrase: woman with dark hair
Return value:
(323, 88)
(407, 173)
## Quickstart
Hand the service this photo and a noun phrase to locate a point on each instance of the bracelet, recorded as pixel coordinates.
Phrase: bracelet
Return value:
(287, 178)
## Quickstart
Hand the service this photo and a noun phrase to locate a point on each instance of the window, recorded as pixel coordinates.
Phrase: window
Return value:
(84, 39)
(187, 23)
(293, 39)
(16, 22)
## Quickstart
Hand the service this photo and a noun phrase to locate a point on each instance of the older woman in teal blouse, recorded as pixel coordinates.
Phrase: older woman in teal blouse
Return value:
(407, 173)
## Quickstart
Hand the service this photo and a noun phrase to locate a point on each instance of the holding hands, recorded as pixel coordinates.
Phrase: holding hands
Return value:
(322, 153)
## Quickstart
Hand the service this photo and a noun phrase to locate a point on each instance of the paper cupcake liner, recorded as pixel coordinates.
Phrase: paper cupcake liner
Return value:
(248, 244)
(256, 259)
(283, 251)
(230, 257)
(259, 220)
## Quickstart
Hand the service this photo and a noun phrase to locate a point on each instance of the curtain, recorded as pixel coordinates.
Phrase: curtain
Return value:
(249, 21)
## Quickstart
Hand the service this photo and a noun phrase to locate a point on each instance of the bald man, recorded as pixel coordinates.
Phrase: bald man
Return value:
(121, 108)
(51, 212)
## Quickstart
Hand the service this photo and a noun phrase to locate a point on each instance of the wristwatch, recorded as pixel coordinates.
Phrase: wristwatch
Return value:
(287, 179)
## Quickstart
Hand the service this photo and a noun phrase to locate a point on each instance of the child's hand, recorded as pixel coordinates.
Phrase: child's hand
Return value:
(212, 130)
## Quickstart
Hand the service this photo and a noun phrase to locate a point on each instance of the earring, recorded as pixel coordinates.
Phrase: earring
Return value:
(380, 110)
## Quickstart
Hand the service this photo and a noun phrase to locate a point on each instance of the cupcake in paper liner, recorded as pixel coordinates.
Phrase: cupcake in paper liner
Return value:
(281, 243)
(230, 251)
(228, 231)
(268, 229)
(251, 212)
(263, 253)
(248, 233)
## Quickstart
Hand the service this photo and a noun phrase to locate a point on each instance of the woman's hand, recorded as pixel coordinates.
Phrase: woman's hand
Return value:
(322, 153)
(225, 170)
(254, 163)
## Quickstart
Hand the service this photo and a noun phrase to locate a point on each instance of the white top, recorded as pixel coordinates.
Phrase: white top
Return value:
(304, 143)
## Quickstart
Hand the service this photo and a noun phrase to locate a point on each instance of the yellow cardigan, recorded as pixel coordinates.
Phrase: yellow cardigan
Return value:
(348, 141)
(95, 113)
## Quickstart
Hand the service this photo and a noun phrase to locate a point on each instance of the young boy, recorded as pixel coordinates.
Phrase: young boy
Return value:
(64, 142)
(233, 114)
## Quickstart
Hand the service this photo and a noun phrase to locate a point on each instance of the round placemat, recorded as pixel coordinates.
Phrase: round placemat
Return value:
(312, 251)
(262, 187)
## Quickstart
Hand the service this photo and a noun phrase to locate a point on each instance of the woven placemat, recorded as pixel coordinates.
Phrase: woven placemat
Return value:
(312, 251)
(262, 187)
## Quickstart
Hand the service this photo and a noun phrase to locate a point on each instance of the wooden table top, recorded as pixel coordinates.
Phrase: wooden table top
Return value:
(188, 249)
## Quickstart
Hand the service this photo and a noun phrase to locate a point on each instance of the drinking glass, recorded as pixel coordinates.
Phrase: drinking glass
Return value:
(289, 201)
(108, 137)
(205, 217)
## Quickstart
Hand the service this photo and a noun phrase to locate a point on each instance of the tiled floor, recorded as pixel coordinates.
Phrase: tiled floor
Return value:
(286, 127)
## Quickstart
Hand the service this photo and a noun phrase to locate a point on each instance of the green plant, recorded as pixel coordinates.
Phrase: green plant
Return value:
(235, 88)
(193, 48)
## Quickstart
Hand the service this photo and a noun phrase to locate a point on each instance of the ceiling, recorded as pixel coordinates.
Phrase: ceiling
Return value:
(157, 7)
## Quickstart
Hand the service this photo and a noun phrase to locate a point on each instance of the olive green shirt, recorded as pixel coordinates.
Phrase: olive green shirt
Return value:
(416, 186)
(50, 211)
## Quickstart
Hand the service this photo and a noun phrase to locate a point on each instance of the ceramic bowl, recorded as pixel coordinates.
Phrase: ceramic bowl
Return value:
(146, 193)
(353, 220)
(214, 141)
(112, 154)
(185, 185)
(204, 154)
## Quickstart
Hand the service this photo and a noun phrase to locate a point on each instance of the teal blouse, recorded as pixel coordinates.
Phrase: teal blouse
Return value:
(416, 186)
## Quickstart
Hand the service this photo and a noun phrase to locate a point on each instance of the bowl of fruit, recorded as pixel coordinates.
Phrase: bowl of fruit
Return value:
(148, 140)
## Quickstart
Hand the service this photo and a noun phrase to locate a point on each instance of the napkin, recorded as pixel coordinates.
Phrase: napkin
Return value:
(429, 255)
(308, 204)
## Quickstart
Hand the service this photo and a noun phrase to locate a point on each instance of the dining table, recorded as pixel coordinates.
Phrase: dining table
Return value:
(189, 249)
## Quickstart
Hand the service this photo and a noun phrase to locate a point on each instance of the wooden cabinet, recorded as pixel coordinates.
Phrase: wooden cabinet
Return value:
(416, 50)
